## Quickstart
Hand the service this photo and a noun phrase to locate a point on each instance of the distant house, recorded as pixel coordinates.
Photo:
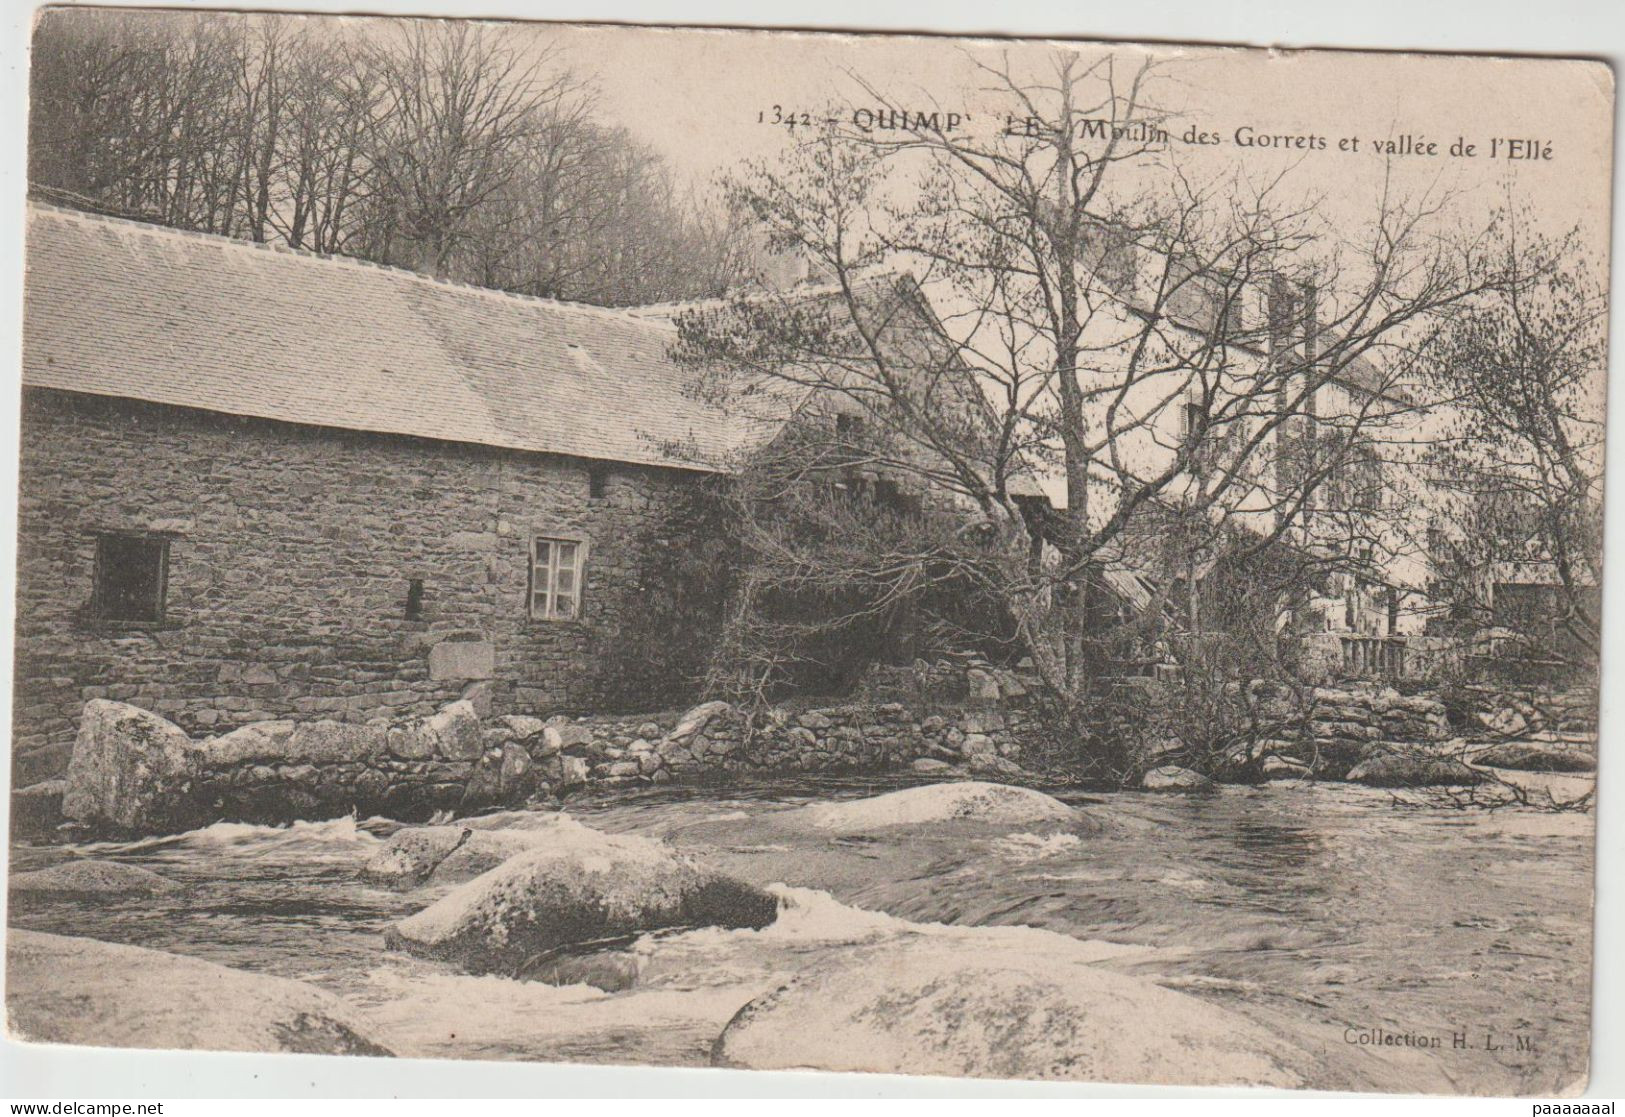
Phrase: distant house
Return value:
(258, 483)
(1530, 601)
(1309, 462)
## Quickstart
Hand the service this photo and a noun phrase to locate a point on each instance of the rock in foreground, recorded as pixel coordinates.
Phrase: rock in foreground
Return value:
(81, 991)
(980, 1007)
(580, 886)
(93, 878)
(970, 801)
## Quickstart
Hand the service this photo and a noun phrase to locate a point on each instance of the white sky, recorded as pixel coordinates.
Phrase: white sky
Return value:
(695, 96)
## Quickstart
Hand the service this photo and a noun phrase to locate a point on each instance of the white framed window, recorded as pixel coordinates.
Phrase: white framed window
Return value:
(556, 568)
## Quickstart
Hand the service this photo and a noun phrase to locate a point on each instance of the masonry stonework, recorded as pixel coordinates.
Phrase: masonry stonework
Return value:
(291, 550)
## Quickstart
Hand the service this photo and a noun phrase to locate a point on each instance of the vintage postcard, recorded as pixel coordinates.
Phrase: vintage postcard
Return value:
(992, 558)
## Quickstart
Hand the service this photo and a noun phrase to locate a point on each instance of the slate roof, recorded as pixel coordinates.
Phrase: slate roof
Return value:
(120, 308)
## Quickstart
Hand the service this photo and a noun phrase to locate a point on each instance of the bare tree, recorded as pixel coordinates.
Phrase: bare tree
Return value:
(1159, 343)
(333, 103)
(441, 149)
(456, 108)
(1522, 370)
(135, 115)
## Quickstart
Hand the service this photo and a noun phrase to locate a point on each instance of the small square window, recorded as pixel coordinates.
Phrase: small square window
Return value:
(597, 481)
(414, 599)
(556, 570)
(131, 578)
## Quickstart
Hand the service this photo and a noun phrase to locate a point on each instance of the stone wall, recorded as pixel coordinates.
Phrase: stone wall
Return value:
(715, 739)
(1375, 713)
(1505, 712)
(291, 550)
(134, 772)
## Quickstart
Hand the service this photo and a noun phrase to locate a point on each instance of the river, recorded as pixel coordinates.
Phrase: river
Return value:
(1324, 911)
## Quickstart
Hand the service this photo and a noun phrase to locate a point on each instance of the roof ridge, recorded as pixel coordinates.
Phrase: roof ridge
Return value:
(126, 308)
(811, 290)
(624, 314)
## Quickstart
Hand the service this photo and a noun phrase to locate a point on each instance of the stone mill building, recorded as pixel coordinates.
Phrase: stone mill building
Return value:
(261, 483)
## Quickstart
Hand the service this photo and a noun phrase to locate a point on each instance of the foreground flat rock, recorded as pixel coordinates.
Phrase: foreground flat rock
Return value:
(82, 991)
(969, 801)
(579, 886)
(973, 1005)
(93, 878)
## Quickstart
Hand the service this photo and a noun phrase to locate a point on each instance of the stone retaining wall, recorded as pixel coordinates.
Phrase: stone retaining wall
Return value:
(1375, 713)
(715, 738)
(134, 772)
(1504, 712)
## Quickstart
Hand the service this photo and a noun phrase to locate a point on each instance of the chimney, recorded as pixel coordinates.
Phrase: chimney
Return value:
(1293, 342)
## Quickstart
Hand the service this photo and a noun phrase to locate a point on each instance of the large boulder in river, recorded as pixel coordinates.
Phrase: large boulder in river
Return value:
(579, 886)
(131, 770)
(1527, 756)
(452, 854)
(92, 878)
(410, 855)
(85, 992)
(1413, 769)
(987, 1006)
(1171, 777)
(969, 801)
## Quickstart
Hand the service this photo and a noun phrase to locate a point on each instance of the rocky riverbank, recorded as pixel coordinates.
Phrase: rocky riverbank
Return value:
(133, 772)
